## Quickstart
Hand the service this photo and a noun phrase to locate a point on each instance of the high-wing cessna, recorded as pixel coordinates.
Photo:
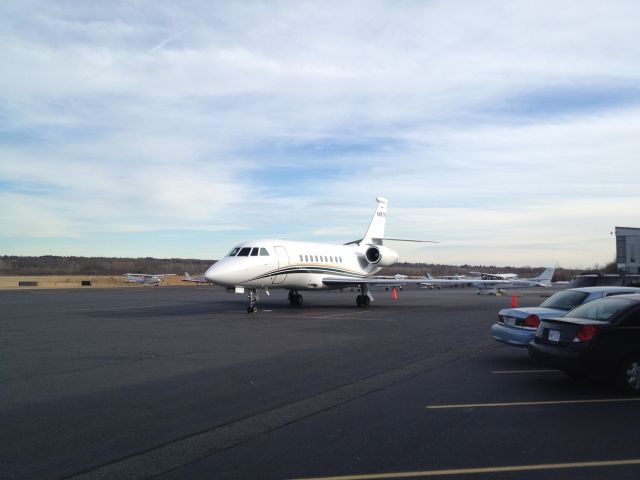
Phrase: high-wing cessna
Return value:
(147, 278)
(494, 276)
(542, 280)
(497, 285)
(302, 266)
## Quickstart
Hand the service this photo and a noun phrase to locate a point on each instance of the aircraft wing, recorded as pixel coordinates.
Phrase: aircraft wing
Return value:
(150, 275)
(340, 282)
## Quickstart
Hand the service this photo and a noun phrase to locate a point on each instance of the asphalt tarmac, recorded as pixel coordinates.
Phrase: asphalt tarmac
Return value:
(175, 383)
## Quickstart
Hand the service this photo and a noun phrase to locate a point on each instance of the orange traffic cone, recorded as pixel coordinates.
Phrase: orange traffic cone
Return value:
(514, 300)
(394, 293)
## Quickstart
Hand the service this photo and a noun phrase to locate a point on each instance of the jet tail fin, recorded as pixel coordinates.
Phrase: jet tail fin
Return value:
(375, 232)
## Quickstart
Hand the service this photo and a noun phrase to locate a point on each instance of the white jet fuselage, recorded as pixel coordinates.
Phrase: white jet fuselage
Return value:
(272, 263)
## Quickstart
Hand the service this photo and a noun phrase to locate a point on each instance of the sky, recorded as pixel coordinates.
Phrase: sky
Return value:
(506, 131)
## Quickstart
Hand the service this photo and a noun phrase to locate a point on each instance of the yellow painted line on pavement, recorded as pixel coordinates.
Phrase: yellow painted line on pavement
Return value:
(525, 371)
(471, 471)
(523, 404)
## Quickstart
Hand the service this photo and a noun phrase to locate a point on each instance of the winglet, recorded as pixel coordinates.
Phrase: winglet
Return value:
(375, 233)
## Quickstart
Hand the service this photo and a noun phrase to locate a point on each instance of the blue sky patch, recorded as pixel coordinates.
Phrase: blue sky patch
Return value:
(568, 100)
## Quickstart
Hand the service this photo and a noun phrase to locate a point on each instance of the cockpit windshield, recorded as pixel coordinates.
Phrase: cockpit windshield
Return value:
(248, 251)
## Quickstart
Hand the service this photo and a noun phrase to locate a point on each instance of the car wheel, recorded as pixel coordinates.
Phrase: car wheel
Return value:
(629, 375)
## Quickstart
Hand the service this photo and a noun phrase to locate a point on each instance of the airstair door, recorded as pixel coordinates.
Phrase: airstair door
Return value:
(283, 261)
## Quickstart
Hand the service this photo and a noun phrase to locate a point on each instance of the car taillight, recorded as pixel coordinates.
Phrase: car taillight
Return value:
(585, 333)
(532, 321)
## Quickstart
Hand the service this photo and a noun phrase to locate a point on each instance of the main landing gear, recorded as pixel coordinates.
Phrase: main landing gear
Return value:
(295, 299)
(364, 300)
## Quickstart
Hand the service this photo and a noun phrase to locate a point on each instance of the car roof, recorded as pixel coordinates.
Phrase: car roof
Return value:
(605, 288)
(628, 296)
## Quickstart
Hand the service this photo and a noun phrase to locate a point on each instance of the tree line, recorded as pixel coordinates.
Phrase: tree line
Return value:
(58, 265)
(55, 265)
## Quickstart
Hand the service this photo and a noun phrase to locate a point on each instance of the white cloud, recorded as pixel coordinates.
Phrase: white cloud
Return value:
(160, 116)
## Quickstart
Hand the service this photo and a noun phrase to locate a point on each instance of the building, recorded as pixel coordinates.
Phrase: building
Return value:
(628, 249)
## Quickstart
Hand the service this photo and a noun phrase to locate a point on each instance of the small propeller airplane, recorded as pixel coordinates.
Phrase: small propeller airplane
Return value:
(303, 266)
(496, 285)
(147, 278)
(197, 279)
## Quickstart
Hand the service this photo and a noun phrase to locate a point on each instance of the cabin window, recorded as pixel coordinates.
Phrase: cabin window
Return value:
(233, 252)
(306, 258)
(244, 252)
(263, 252)
(317, 258)
(331, 258)
(300, 257)
(254, 252)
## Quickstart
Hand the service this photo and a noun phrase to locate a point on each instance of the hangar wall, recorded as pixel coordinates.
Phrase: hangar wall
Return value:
(628, 249)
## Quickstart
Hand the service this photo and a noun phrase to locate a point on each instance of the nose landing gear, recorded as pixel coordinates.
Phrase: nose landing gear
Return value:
(253, 300)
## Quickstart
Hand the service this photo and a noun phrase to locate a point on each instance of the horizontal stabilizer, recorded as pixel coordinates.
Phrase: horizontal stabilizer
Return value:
(406, 240)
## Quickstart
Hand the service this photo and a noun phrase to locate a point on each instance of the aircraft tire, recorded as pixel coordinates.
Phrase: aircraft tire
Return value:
(297, 300)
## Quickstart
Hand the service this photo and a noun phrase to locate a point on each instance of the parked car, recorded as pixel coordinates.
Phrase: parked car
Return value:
(600, 338)
(517, 326)
(601, 279)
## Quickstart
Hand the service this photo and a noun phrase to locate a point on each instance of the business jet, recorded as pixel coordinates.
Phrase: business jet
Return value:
(303, 266)
(147, 278)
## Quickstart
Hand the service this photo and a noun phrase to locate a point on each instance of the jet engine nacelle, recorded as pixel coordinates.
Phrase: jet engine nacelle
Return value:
(381, 256)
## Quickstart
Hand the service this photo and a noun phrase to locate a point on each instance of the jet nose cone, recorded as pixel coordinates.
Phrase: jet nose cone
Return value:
(212, 275)
(220, 273)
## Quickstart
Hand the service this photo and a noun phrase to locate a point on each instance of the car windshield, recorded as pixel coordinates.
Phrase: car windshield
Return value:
(565, 300)
(601, 309)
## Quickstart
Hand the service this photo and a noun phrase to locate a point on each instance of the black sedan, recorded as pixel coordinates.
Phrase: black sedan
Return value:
(600, 338)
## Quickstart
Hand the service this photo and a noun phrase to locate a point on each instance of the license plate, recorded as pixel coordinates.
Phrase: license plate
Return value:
(554, 336)
(509, 320)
